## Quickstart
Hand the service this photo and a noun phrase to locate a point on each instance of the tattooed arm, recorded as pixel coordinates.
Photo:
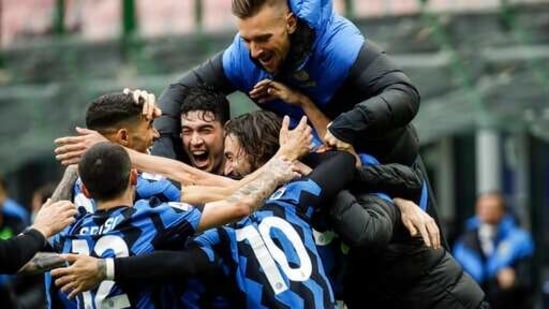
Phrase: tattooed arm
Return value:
(248, 198)
(44, 261)
(63, 191)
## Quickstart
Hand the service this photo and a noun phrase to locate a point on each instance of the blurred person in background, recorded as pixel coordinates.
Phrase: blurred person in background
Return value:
(9, 205)
(39, 197)
(29, 289)
(13, 220)
(18, 250)
(495, 251)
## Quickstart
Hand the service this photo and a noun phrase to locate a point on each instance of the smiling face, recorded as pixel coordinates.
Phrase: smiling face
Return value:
(202, 136)
(237, 160)
(267, 35)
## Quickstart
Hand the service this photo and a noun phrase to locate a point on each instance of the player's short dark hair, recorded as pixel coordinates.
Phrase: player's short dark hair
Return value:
(248, 8)
(205, 98)
(257, 133)
(105, 170)
(112, 110)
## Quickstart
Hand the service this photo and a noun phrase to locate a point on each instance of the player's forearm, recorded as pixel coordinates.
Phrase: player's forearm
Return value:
(175, 170)
(316, 117)
(205, 194)
(42, 262)
(162, 266)
(256, 191)
(18, 250)
(63, 191)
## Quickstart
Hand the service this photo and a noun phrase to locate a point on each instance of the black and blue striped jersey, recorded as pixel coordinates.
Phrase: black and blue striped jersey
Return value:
(149, 186)
(125, 231)
(272, 254)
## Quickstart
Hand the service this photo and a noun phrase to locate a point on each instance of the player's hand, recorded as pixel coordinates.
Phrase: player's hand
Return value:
(282, 170)
(331, 141)
(70, 148)
(506, 277)
(297, 142)
(150, 108)
(416, 220)
(268, 90)
(53, 217)
(84, 274)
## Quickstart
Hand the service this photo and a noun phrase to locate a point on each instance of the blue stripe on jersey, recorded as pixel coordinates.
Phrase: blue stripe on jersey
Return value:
(272, 253)
(124, 231)
(148, 187)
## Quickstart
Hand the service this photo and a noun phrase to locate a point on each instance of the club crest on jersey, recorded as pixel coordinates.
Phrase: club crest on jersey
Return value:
(301, 76)
(150, 176)
(278, 193)
(181, 206)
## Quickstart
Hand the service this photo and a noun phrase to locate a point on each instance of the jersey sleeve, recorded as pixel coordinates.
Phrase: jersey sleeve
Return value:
(396, 180)
(162, 265)
(366, 220)
(333, 163)
(149, 186)
(170, 221)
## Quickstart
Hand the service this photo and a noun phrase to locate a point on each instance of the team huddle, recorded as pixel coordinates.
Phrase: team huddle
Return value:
(316, 200)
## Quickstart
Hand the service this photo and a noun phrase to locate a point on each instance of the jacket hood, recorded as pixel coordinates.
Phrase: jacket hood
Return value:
(316, 13)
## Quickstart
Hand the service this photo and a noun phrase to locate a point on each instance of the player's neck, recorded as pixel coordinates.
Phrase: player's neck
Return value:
(125, 199)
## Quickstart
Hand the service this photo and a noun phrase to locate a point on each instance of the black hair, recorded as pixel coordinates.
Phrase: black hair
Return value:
(111, 110)
(105, 170)
(205, 98)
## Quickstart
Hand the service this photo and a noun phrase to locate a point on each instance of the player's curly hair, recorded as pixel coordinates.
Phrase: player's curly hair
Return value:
(112, 110)
(206, 99)
(257, 132)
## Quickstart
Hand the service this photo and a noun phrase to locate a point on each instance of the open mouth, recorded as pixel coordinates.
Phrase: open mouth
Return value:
(200, 158)
(266, 59)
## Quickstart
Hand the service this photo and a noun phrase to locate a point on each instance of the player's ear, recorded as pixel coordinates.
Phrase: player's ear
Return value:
(85, 190)
(133, 177)
(291, 22)
(123, 137)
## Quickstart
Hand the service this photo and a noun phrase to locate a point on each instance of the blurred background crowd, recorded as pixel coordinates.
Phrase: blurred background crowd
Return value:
(481, 66)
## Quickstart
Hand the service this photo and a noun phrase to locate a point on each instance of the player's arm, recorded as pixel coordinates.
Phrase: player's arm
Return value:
(401, 182)
(267, 90)
(51, 218)
(368, 221)
(175, 170)
(393, 99)
(210, 72)
(393, 179)
(293, 145)
(248, 198)
(63, 191)
(86, 272)
(340, 163)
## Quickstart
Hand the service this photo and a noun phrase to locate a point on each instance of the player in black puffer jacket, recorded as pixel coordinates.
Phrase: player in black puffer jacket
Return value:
(394, 269)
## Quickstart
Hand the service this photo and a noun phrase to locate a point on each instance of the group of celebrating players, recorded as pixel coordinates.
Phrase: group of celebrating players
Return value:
(317, 200)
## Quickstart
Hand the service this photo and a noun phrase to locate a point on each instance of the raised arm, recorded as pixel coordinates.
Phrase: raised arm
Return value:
(393, 101)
